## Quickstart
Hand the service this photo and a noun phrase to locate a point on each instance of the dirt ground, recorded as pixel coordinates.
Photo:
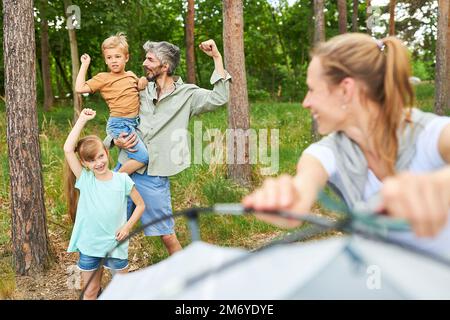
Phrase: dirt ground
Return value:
(60, 282)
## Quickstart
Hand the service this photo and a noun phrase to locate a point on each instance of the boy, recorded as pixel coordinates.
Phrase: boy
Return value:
(119, 88)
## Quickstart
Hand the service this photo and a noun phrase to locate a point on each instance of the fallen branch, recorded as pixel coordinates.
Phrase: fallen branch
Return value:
(58, 224)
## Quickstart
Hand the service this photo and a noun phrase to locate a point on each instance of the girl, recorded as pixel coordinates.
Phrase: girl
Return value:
(360, 95)
(101, 210)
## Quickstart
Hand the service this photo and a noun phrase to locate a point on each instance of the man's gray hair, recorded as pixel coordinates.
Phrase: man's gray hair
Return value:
(165, 52)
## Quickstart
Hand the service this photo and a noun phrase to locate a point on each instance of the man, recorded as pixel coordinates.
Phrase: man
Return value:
(167, 104)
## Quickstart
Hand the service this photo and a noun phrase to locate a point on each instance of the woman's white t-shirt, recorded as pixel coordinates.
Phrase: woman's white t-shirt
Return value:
(427, 158)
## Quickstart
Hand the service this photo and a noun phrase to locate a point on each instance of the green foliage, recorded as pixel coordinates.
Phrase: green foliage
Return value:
(277, 38)
(425, 96)
(424, 69)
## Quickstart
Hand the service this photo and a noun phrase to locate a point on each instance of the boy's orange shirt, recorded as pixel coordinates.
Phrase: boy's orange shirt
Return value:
(119, 91)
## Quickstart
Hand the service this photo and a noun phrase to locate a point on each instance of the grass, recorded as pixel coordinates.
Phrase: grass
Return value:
(7, 278)
(200, 185)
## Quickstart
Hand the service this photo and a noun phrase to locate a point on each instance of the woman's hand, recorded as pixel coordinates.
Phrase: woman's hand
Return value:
(422, 199)
(295, 195)
(277, 194)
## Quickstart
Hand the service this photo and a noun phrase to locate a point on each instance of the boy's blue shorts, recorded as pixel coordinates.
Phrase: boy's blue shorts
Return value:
(116, 126)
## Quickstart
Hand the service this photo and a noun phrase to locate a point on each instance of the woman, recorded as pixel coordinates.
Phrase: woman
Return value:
(360, 96)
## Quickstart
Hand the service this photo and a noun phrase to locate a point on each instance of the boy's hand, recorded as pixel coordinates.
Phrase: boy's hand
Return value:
(142, 83)
(85, 59)
(122, 233)
(87, 114)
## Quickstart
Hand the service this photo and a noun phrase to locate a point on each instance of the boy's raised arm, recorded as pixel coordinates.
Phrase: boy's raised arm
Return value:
(80, 84)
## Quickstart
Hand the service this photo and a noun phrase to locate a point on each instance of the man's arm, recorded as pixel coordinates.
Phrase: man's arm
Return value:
(209, 47)
(204, 100)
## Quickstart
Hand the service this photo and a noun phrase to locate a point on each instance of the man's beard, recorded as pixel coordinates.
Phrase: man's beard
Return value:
(154, 74)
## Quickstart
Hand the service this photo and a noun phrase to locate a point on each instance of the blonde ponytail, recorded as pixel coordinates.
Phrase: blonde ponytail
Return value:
(398, 96)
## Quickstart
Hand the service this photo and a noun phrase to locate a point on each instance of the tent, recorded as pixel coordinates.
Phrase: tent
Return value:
(346, 267)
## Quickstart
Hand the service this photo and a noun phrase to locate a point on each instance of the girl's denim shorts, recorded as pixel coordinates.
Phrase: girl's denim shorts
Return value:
(88, 263)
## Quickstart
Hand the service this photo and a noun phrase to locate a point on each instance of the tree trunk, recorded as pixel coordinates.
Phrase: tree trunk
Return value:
(77, 101)
(368, 17)
(45, 53)
(441, 59)
(392, 17)
(197, 70)
(239, 169)
(29, 229)
(319, 30)
(190, 52)
(319, 36)
(447, 106)
(342, 9)
(355, 16)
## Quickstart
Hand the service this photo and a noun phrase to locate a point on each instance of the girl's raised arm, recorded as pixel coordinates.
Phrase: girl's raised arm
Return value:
(72, 139)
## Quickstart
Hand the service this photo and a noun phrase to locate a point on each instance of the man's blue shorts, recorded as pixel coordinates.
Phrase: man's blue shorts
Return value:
(155, 191)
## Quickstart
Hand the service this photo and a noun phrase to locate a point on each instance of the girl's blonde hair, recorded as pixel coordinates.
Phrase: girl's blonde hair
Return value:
(87, 148)
(383, 67)
(117, 41)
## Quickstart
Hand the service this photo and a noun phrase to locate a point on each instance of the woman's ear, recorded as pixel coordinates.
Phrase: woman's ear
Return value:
(348, 86)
